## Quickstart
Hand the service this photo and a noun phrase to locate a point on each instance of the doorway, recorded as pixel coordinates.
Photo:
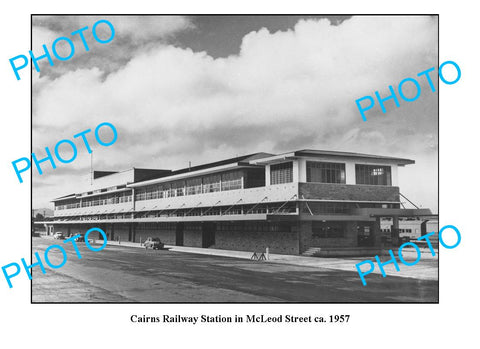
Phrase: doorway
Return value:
(208, 234)
(365, 235)
(179, 234)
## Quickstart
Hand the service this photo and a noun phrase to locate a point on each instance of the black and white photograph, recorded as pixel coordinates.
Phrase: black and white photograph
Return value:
(254, 174)
(235, 158)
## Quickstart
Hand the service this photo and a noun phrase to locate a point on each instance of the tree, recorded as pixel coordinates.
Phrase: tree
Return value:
(39, 217)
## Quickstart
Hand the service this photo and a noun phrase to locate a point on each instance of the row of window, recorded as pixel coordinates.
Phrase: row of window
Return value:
(327, 172)
(218, 210)
(109, 201)
(97, 191)
(317, 172)
(254, 226)
(328, 229)
(199, 185)
(408, 230)
(67, 206)
(98, 201)
(319, 208)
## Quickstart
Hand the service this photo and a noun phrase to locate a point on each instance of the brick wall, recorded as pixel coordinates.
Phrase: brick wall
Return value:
(348, 192)
(307, 240)
(277, 242)
(192, 238)
(120, 232)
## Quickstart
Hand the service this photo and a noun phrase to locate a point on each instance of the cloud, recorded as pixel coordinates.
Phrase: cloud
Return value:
(145, 28)
(131, 34)
(284, 90)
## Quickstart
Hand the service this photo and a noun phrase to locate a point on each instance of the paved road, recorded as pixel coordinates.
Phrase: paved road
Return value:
(123, 274)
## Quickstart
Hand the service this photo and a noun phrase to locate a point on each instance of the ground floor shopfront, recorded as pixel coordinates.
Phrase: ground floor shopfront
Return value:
(310, 237)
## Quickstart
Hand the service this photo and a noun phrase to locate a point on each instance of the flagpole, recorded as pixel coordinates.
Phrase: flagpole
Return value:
(91, 168)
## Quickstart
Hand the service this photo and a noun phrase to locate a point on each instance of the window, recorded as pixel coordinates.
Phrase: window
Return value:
(327, 229)
(281, 173)
(373, 175)
(178, 188)
(325, 172)
(321, 208)
(140, 195)
(211, 183)
(194, 186)
(232, 180)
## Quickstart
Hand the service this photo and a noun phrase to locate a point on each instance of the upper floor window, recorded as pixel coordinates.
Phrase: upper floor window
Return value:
(281, 173)
(373, 174)
(232, 180)
(211, 183)
(194, 186)
(325, 172)
(177, 189)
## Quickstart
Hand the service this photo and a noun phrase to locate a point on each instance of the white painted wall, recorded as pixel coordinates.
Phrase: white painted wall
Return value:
(302, 170)
(267, 175)
(295, 171)
(395, 175)
(350, 172)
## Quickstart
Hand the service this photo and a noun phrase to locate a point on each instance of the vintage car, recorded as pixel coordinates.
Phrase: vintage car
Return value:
(154, 243)
(58, 235)
(80, 238)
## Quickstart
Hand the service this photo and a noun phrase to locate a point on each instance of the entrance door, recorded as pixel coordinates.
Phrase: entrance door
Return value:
(366, 236)
(208, 234)
(179, 234)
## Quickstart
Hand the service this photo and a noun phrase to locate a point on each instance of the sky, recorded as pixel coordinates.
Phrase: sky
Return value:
(205, 88)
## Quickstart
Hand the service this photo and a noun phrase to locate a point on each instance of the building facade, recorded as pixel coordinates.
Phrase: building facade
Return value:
(308, 202)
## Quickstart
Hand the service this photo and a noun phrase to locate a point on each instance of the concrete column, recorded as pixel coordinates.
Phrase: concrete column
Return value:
(350, 173)
(395, 232)
(296, 174)
(267, 175)
(394, 175)
(133, 199)
(377, 232)
(302, 170)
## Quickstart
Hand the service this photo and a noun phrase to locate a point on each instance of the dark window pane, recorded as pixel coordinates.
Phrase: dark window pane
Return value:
(373, 174)
(281, 173)
(325, 172)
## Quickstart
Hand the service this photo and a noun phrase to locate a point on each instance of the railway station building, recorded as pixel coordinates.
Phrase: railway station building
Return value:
(311, 202)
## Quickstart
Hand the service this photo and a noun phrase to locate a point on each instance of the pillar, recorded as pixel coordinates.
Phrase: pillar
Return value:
(395, 232)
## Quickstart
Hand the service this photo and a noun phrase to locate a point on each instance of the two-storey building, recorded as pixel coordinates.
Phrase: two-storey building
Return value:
(310, 202)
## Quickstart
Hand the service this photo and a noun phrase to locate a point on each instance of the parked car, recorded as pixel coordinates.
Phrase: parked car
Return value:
(154, 243)
(81, 238)
(59, 236)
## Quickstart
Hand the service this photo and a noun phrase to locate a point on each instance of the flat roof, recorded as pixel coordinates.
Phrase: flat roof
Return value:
(331, 153)
(222, 165)
(65, 197)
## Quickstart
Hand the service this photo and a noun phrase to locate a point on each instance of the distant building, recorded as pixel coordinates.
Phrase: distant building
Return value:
(411, 229)
(309, 202)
